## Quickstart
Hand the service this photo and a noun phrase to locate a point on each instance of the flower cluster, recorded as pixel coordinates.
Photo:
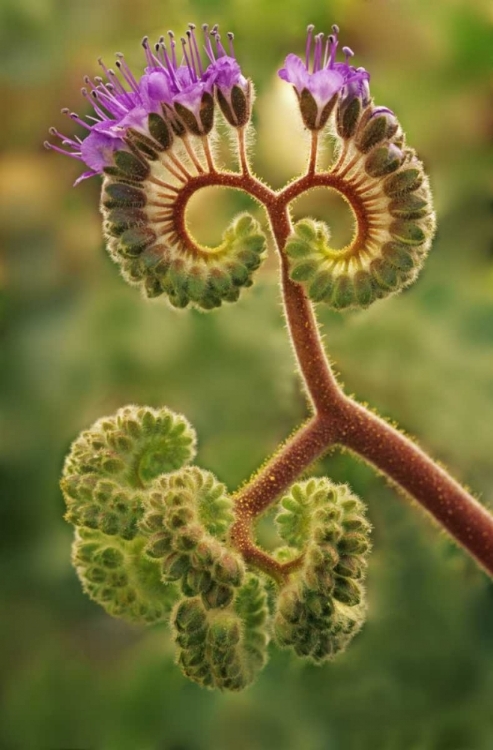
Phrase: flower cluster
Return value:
(181, 91)
(317, 89)
(322, 606)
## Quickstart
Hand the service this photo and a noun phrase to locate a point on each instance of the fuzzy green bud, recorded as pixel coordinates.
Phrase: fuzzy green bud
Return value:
(116, 575)
(223, 647)
(187, 517)
(322, 606)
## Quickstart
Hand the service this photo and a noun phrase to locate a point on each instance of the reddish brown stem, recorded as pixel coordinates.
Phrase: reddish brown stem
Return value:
(309, 442)
(337, 419)
(358, 429)
(406, 464)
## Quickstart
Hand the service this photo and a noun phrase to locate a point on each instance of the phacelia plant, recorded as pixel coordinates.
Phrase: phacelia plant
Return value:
(158, 538)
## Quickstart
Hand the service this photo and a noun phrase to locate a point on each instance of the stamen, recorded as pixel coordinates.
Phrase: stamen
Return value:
(126, 72)
(75, 117)
(221, 52)
(110, 74)
(93, 99)
(173, 49)
(308, 48)
(326, 53)
(208, 46)
(348, 53)
(192, 53)
(170, 65)
(117, 85)
(145, 44)
(231, 37)
(317, 57)
(191, 26)
(332, 50)
(108, 100)
(193, 75)
(52, 147)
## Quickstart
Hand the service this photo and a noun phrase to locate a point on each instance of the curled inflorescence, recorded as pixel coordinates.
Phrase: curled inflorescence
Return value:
(322, 607)
(152, 543)
(377, 172)
(157, 538)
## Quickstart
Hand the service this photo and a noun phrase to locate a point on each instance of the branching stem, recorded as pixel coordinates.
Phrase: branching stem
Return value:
(337, 419)
(312, 164)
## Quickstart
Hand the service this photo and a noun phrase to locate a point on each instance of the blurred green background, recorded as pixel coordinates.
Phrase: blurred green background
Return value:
(77, 343)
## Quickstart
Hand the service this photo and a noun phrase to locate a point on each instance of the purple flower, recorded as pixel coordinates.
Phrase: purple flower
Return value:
(317, 88)
(181, 91)
(233, 89)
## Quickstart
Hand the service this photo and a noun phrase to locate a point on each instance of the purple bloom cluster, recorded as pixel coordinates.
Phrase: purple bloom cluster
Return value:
(124, 102)
(326, 77)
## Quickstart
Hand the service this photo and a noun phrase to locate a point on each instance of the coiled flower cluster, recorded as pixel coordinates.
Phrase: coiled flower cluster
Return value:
(322, 606)
(380, 176)
(159, 539)
(152, 544)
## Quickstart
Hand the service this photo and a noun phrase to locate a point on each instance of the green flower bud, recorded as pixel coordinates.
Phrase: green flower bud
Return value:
(316, 608)
(122, 196)
(160, 131)
(348, 116)
(223, 647)
(162, 442)
(116, 575)
(218, 596)
(175, 566)
(189, 615)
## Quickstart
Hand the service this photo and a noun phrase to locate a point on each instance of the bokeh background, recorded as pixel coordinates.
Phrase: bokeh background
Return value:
(77, 343)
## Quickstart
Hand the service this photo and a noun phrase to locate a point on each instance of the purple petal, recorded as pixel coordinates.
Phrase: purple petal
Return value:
(191, 97)
(97, 150)
(155, 87)
(324, 84)
(136, 118)
(295, 72)
(227, 73)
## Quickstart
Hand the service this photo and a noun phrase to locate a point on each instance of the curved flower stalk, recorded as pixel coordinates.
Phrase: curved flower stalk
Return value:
(160, 539)
(320, 82)
(149, 138)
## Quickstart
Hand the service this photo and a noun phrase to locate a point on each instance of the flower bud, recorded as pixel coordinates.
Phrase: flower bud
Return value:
(223, 647)
(116, 575)
(315, 609)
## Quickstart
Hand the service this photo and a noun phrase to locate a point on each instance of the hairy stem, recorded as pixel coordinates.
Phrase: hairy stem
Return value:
(406, 464)
(337, 419)
(243, 156)
(341, 420)
(312, 164)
